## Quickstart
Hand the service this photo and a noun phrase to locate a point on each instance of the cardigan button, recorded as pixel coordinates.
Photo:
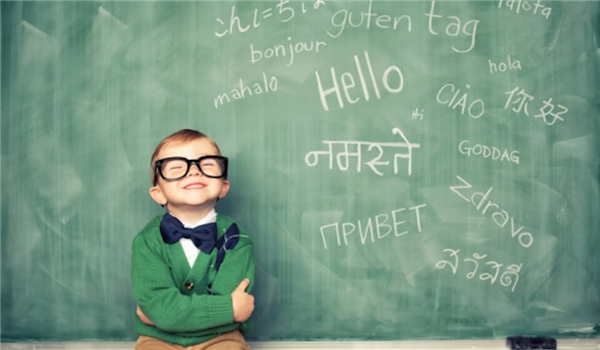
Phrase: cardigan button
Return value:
(189, 285)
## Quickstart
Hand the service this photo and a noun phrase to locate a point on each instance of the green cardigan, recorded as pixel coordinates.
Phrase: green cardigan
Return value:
(160, 273)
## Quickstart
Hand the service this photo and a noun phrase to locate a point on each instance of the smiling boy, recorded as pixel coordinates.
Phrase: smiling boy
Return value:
(192, 269)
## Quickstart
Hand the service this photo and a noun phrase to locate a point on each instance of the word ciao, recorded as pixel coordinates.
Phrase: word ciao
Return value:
(284, 12)
(280, 50)
(499, 215)
(383, 21)
(342, 158)
(476, 107)
(509, 277)
(268, 85)
(525, 6)
(484, 151)
(348, 83)
(367, 232)
(502, 67)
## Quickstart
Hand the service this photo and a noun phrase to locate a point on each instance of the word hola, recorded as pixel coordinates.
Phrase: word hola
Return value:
(525, 6)
(510, 275)
(486, 152)
(367, 232)
(280, 51)
(348, 83)
(502, 67)
(499, 215)
(268, 85)
(476, 107)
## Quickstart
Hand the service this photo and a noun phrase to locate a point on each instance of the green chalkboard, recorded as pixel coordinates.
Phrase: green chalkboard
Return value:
(408, 170)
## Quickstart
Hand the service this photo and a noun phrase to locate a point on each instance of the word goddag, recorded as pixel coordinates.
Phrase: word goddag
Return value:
(367, 232)
(343, 156)
(348, 83)
(499, 215)
(454, 26)
(510, 275)
(488, 152)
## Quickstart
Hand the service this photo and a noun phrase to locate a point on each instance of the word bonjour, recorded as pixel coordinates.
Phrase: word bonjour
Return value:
(268, 85)
(348, 83)
(280, 50)
(476, 107)
(499, 215)
(342, 158)
(383, 21)
(506, 279)
(484, 151)
(526, 6)
(368, 231)
(503, 67)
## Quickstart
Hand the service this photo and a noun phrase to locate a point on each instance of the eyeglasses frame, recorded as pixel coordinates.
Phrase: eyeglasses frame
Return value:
(158, 167)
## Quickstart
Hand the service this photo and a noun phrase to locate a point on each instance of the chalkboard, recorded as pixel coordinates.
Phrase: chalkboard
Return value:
(408, 170)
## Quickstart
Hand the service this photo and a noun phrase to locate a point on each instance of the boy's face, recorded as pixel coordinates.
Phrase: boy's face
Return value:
(195, 195)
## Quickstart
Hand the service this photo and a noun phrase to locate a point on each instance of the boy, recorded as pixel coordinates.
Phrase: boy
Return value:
(192, 269)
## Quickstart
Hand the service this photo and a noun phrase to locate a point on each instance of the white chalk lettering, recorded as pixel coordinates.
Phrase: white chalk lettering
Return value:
(367, 231)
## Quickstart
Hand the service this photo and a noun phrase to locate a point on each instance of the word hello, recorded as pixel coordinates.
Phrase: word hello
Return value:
(526, 6)
(367, 232)
(486, 152)
(268, 85)
(502, 67)
(510, 274)
(349, 83)
(499, 215)
(280, 51)
(341, 18)
(476, 107)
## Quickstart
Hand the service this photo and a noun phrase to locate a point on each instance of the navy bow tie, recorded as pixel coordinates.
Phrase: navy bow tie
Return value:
(204, 237)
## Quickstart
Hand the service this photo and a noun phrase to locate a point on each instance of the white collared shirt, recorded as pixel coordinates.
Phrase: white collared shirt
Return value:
(190, 250)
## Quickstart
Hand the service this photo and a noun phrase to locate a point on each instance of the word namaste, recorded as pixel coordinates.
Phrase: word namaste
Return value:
(343, 156)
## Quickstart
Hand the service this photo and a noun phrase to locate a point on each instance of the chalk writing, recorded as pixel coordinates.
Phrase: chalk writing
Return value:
(281, 51)
(369, 19)
(503, 67)
(547, 113)
(283, 10)
(499, 215)
(268, 85)
(526, 6)
(342, 157)
(508, 278)
(476, 107)
(367, 232)
(417, 114)
(487, 152)
(348, 83)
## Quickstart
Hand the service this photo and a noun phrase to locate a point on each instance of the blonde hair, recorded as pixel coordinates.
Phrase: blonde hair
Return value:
(181, 136)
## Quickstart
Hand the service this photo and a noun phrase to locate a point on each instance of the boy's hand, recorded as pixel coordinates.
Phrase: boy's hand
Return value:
(243, 303)
(143, 317)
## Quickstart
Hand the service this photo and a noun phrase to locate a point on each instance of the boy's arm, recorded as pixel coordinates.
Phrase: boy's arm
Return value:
(162, 302)
(237, 265)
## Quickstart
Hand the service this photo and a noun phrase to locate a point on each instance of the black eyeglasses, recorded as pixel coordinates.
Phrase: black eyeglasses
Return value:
(175, 168)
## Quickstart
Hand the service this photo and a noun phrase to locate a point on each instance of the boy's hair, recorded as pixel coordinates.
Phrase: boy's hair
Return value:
(181, 136)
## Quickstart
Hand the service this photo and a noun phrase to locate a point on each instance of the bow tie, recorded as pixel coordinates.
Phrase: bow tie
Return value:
(203, 236)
